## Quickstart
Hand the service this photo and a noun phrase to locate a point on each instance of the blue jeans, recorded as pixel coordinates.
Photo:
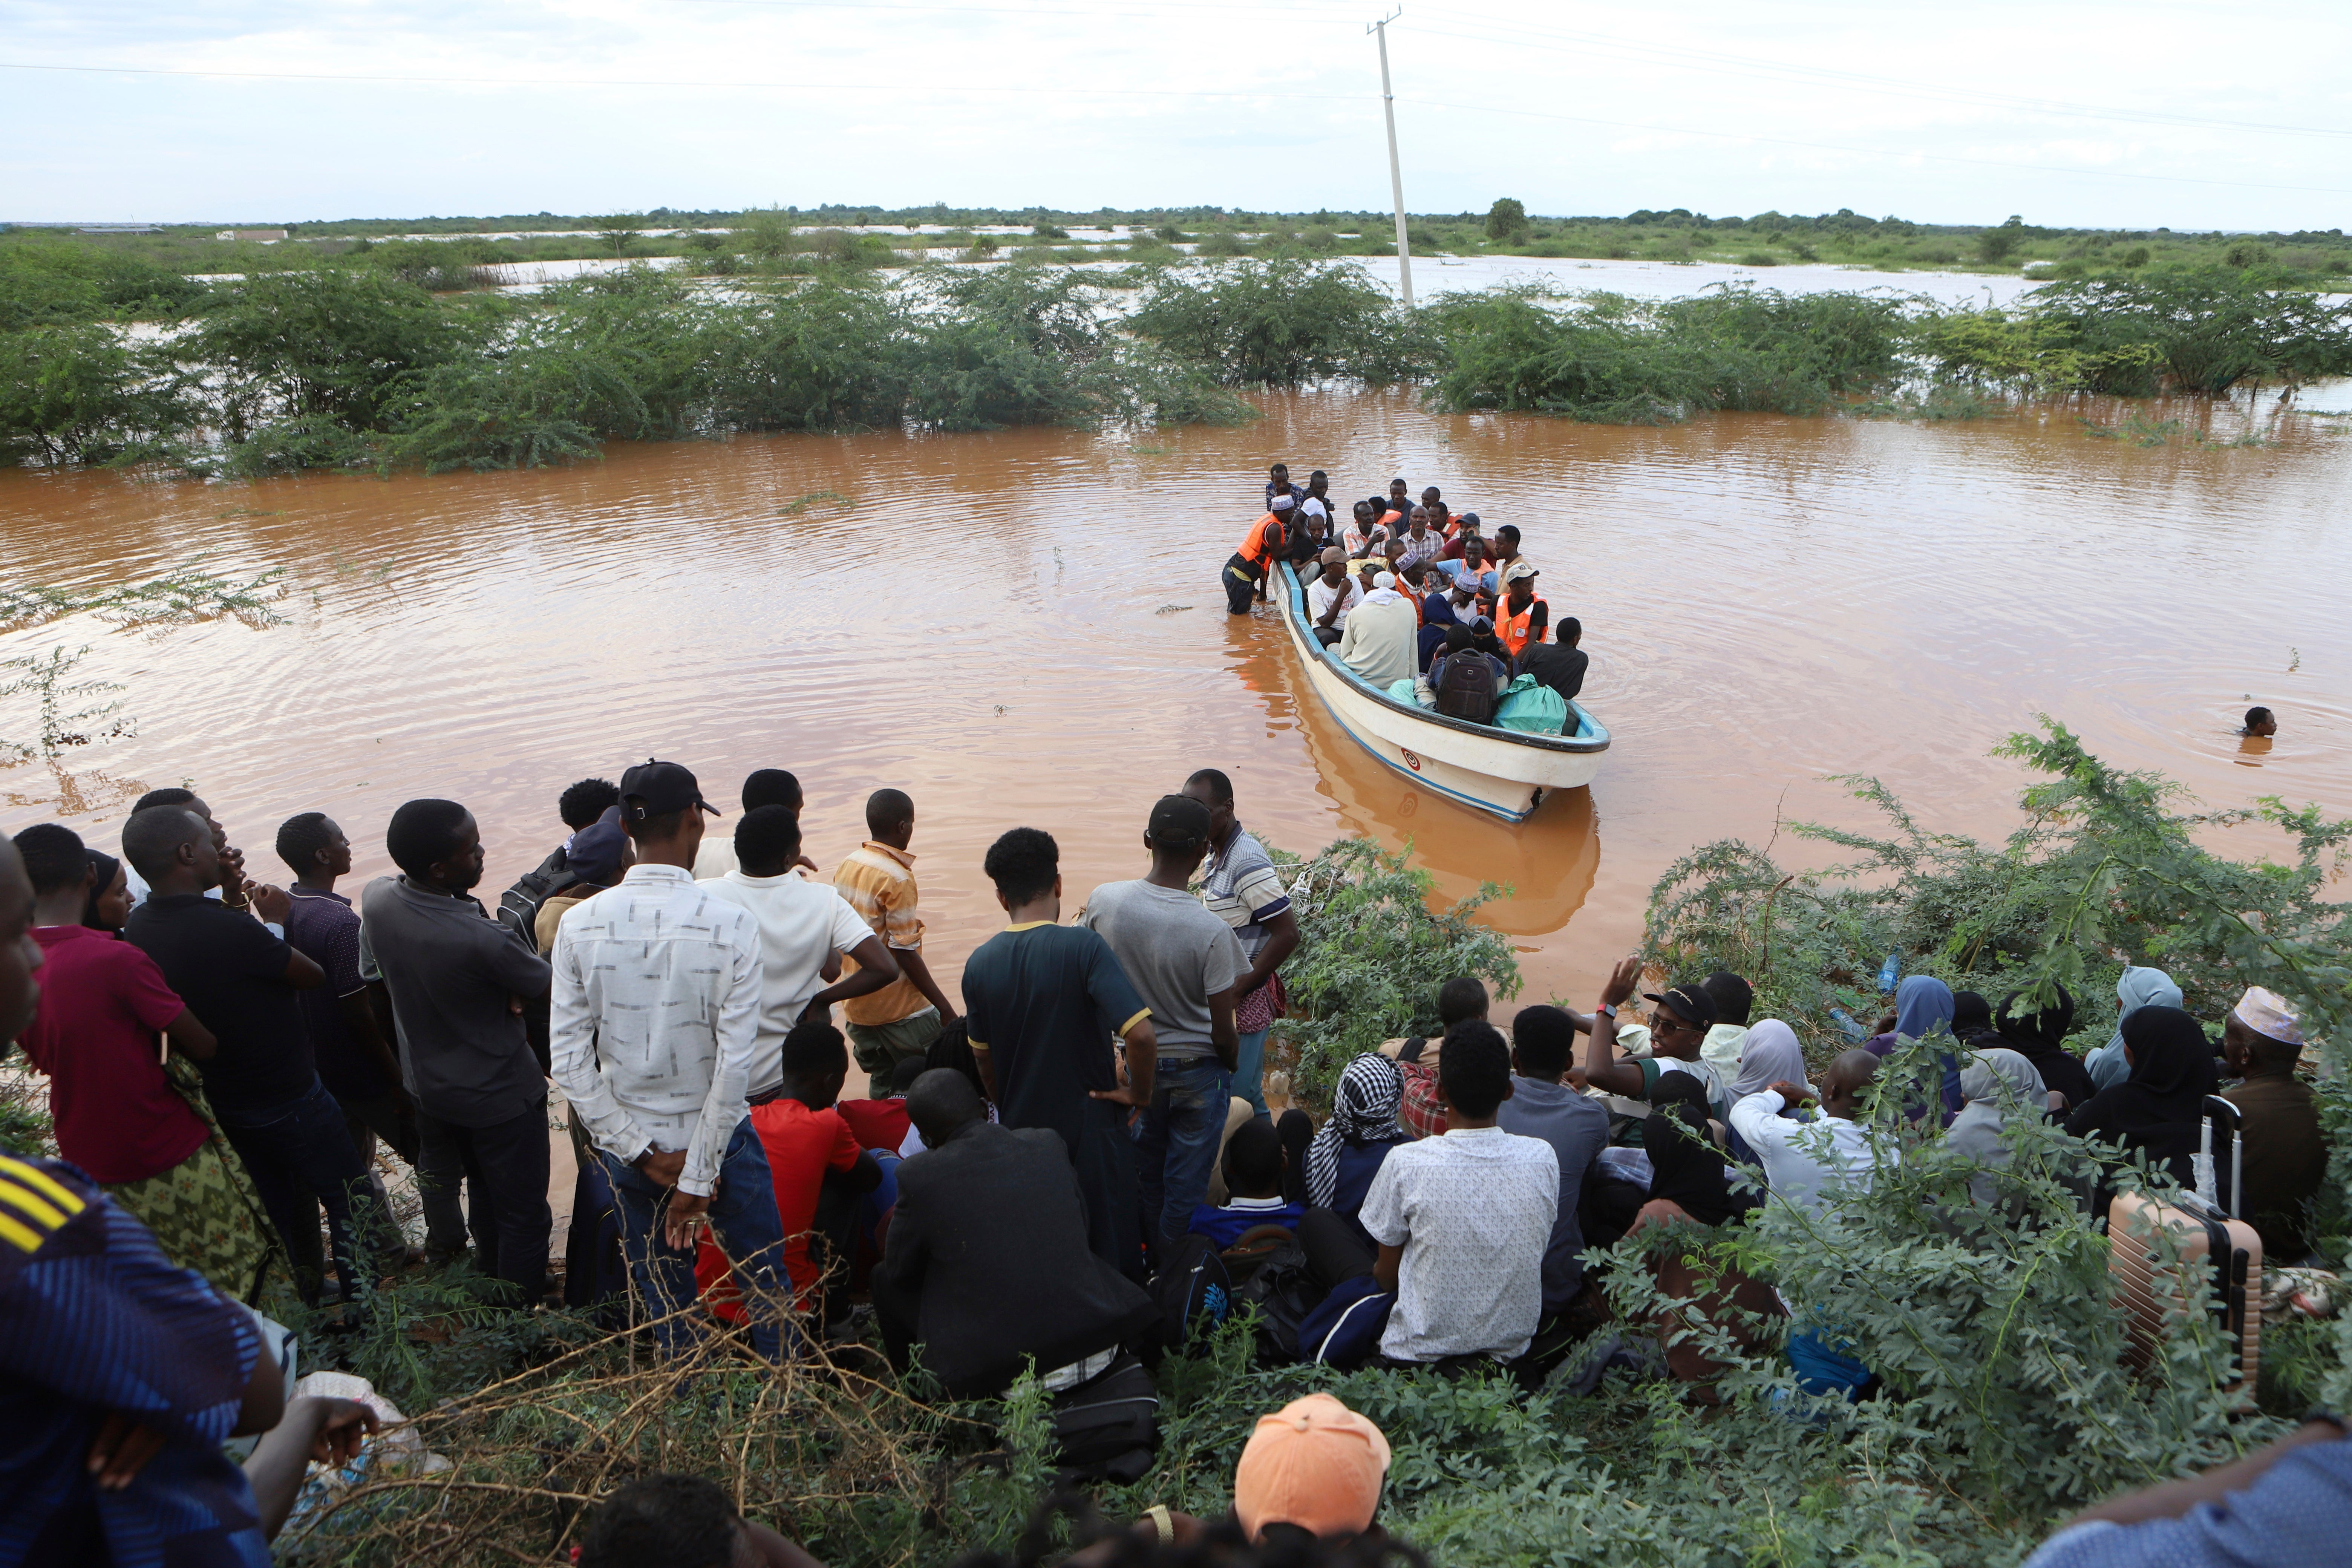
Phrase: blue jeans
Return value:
(743, 1213)
(301, 1159)
(1249, 1069)
(1176, 1142)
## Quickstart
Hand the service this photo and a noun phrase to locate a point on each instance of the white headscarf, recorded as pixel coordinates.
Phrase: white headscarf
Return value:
(1770, 1055)
(1996, 1085)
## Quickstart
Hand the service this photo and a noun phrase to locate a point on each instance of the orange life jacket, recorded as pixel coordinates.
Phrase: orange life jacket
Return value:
(1265, 542)
(1512, 630)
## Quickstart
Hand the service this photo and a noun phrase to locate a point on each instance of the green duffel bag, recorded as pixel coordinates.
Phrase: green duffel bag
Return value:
(1531, 708)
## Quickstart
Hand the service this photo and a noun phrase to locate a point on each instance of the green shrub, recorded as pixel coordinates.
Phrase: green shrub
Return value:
(82, 393)
(1280, 322)
(56, 283)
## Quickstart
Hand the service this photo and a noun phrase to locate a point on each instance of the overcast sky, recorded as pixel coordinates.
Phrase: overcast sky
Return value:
(2140, 114)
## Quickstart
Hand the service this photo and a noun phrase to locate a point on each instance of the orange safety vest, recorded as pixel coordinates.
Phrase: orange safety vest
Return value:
(1263, 543)
(1513, 630)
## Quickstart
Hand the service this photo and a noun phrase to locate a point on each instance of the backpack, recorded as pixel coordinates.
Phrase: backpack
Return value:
(1107, 1427)
(519, 905)
(1345, 1330)
(1284, 1295)
(1466, 688)
(1252, 1247)
(1194, 1294)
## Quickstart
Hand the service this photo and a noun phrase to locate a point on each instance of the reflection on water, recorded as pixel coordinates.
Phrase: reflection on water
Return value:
(1025, 626)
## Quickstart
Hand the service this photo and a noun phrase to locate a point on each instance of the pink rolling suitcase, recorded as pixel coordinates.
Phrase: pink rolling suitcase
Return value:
(2220, 1270)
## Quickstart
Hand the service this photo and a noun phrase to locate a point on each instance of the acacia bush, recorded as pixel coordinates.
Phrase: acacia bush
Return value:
(1281, 322)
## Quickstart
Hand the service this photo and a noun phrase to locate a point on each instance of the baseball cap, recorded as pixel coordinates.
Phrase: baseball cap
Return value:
(1314, 1463)
(1178, 822)
(1520, 569)
(1691, 1002)
(660, 788)
(1482, 626)
(1469, 517)
(596, 850)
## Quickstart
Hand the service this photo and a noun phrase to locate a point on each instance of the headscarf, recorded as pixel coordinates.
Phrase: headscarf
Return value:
(2136, 988)
(1770, 1056)
(108, 868)
(2041, 1039)
(1684, 1164)
(2159, 1109)
(1363, 1111)
(1972, 1015)
(1923, 1011)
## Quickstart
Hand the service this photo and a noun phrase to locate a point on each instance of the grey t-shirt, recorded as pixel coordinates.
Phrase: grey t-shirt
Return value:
(1578, 1129)
(1176, 955)
(450, 968)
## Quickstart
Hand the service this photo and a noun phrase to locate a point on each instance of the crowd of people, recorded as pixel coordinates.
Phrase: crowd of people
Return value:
(1041, 1172)
(1419, 600)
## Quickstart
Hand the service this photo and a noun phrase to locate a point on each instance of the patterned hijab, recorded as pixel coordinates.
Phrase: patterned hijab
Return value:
(1363, 1111)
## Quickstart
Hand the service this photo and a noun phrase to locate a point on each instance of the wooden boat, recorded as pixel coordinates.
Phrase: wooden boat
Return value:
(1504, 773)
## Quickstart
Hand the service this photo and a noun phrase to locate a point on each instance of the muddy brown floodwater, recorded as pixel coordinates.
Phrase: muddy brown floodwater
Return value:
(1026, 627)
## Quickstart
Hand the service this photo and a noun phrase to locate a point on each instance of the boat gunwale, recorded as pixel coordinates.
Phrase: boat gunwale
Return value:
(1294, 608)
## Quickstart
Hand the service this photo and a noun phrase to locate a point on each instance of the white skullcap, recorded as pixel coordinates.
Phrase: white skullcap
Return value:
(1315, 507)
(1282, 503)
(1384, 580)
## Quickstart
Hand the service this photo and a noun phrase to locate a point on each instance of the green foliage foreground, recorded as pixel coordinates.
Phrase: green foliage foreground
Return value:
(2007, 1406)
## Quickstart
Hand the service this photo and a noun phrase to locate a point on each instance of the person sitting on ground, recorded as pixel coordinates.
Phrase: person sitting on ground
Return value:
(112, 1111)
(2286, 1155)
(1558, 665)
(2138, 986)
(2041, 1039)
(1810, 1165)
(1726, 1039)
(807, 1142)
(1522, 617)
(1679, 1022)
(1994, 1086)
(2281, 1507)
(1972, 1022)
(680, 1521)
(881, 1122)
(1254, 1172)
(1463, 1221)
(1923, 1013)
(1421, 1111)
(2160, 1111)
(1331, 597)
(2260, 722)
(802, 923)
(762, 786)
(1545, 1105)
(987, 1264)
(1378, 643)
(1347, 1150)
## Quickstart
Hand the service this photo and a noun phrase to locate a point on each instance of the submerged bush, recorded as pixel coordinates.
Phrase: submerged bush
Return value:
(55, 282)
(83, 394)
(1281, 323)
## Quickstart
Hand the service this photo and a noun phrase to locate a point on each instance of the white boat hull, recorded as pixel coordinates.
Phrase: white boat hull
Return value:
(1504, 773)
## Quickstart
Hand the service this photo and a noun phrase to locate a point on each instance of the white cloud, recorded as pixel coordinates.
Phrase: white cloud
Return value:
(1942, 114)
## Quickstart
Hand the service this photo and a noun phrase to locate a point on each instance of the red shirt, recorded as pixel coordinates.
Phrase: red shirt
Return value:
(802, 1145)
(878, 1123)
(102, 1003)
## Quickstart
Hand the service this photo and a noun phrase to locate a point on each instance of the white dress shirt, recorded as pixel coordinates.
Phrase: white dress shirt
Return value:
(654, 1016)
(1473, 1210)
(1804, 1161)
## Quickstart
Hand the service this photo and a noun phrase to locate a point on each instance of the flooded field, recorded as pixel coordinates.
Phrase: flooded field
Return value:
(1026, 628)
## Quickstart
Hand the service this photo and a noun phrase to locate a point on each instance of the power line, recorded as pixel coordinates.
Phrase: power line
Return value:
(1765, 69)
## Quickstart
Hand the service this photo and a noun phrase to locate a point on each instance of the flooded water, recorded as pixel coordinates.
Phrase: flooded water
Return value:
(1026, 628)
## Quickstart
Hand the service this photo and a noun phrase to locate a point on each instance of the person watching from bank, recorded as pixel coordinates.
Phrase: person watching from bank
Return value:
(680, 1521)
(1042, 1004)
(1330, 597)
(1807, 1165)
(762, 786)
(233, 888)
(1183, 962)
(242, 984)
(1254, 1170)
(111, 1110)
(803, 924)
(1380, 638)
(1347, 1151)
(1544, 1105)
(809, 1144)
(455, 977)
(2284, 1151)
(1421, 1109)
(897, 1023)
(1463, 1222)
(1242, 888)
(599, 856)
(1680, 1018)
(109, 894)
(988, 1265)
(655, 1015)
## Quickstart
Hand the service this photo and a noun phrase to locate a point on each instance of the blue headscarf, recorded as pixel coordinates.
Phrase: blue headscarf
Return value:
(2136, 988)
(1923, 1009)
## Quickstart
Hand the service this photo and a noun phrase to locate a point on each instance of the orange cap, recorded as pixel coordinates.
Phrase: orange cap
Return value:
(1314, 1463)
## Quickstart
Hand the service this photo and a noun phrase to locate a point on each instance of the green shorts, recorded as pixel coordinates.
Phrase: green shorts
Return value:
(880, 1047)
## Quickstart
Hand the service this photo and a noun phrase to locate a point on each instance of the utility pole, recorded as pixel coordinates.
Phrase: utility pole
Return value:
(1396, 175)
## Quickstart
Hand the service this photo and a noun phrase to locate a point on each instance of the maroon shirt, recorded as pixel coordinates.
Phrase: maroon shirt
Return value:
(102, 1003)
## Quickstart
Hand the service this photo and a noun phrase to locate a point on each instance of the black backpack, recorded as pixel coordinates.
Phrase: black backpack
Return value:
(1283, 1294)
(1465, 687)
(1194, 1292)
(1108, 1428)
(519, 905)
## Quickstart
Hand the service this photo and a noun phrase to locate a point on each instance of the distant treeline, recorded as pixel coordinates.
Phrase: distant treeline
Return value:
(356, 368)
(731, 241)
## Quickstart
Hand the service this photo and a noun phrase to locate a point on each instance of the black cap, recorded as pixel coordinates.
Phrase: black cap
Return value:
(1178, 822)
(1692, 1001)
(1465, 517)
(659, 788)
